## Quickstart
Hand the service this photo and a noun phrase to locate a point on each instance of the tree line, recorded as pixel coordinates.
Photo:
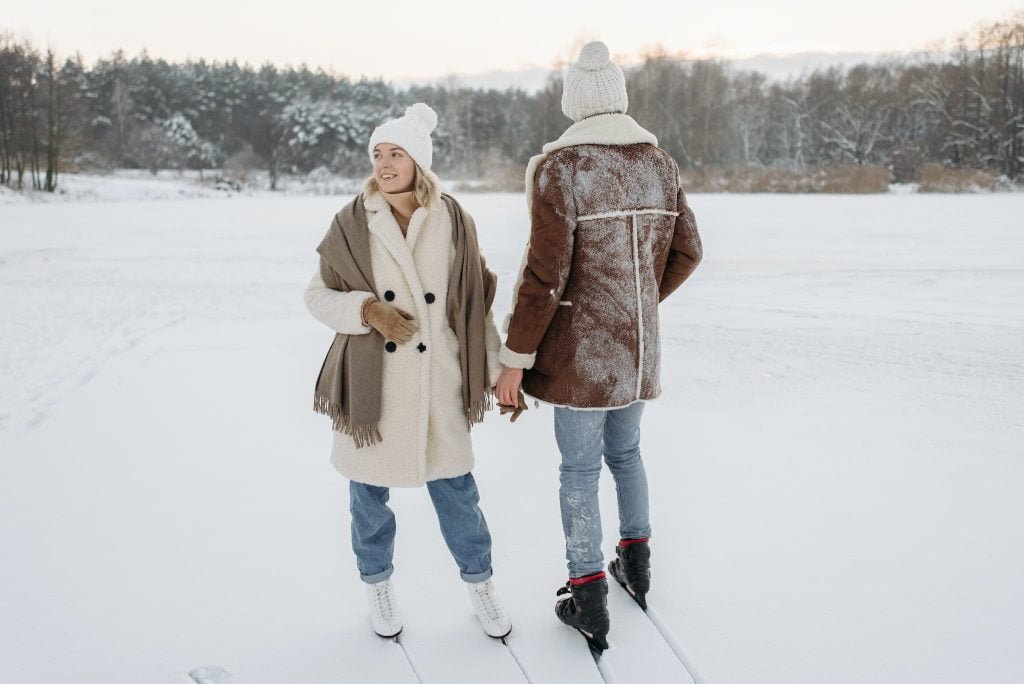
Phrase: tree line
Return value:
(962, 108)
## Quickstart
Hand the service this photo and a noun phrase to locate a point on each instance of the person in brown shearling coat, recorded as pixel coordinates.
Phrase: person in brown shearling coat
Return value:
(611, 236)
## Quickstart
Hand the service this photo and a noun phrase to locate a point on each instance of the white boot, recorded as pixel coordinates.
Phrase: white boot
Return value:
(487, 605)
(383, 609)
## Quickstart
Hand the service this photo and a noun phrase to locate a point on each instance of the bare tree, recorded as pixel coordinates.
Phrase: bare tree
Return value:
(53, 121)
(750, 112)
(859, 118)
(121, 106)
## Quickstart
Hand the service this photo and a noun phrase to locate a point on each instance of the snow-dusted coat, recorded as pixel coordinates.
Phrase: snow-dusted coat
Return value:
(611, 236)
(424, 429)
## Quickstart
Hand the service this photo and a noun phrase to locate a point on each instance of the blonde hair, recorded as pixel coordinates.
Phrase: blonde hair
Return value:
(424, 187)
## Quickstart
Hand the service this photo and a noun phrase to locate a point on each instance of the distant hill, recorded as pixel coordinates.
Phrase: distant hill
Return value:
(781, 67)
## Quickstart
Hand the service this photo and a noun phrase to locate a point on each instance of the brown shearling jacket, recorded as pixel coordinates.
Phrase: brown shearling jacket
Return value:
(611, 236)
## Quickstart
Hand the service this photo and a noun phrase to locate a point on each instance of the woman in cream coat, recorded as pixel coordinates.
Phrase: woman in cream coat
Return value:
(422, 436)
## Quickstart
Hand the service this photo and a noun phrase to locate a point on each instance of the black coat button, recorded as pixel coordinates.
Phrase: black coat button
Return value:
(391, 346)
(389, 296)
(422, 347)
(429, 297)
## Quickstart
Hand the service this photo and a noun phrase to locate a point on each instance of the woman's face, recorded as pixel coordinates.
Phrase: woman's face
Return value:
(393, 168)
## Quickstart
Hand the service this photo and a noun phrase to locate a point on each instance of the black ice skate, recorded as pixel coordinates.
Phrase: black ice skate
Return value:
(586, 609)
(632, 568)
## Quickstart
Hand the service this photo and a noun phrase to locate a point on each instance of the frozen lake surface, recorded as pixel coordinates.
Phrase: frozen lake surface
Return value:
(836, 462)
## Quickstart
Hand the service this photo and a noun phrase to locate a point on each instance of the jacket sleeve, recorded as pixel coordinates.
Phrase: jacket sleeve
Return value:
(339, 311)
(685, 252)
(548, 261)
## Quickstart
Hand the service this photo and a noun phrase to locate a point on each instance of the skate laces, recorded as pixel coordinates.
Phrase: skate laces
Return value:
(384, 601)
(488, 600)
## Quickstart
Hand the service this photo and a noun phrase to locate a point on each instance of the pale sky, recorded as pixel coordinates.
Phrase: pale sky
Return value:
(402, 39)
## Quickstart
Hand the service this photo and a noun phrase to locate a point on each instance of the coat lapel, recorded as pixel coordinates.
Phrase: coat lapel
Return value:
(384, 227)
(417, 223)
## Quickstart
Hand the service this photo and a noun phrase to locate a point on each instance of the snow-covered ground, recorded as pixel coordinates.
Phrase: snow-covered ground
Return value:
(127, 185)
(123, 185)
(836, 463)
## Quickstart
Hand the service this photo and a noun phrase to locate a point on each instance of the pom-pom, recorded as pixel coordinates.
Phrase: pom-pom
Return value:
(594, 56)
(423, 112)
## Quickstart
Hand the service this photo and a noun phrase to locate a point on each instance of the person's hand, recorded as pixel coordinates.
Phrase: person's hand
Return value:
(507, 388)
(515, 410)
(389, 321)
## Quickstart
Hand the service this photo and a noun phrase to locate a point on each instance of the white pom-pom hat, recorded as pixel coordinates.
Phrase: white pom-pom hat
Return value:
(410, 132)
(594, 84)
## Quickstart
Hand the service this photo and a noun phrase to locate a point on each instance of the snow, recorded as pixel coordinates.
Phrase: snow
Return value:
(126, 185)
(835, 463)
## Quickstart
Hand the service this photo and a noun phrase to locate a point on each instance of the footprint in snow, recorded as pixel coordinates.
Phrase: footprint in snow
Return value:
(210, 674)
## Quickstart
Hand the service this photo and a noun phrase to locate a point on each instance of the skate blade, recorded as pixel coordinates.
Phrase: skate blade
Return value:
(641, 599)
(598, 645)
(500, 637)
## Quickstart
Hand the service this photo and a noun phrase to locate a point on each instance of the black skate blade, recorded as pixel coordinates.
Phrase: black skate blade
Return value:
(598, 645)
(641, 599)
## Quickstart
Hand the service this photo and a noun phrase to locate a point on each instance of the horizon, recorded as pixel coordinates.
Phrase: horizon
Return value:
(531, 78)
(212, 42)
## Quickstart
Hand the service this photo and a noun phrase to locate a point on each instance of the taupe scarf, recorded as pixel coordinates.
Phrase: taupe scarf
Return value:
(348, 389)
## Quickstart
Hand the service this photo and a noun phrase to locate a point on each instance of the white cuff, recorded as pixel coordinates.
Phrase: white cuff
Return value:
(511, 359)
(339, 311)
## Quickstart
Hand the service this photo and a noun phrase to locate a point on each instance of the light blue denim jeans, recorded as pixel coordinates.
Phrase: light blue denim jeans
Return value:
(583, 438)
(456, 501)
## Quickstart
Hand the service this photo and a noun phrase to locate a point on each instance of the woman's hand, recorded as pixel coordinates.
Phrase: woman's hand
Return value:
(389, 321)
(516, 409)
(507, 389)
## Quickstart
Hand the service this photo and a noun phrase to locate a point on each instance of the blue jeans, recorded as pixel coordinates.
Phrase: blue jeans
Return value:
(456, 501)
(583, 437)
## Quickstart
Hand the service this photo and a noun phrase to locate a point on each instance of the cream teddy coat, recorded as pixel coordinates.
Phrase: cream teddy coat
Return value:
(424, 428)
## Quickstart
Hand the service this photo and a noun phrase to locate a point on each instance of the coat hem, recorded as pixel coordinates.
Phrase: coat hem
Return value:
(590, 408)
(405, 483)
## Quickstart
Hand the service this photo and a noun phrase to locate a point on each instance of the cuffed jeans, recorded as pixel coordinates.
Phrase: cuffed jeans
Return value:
(456, 501)
(583, 438)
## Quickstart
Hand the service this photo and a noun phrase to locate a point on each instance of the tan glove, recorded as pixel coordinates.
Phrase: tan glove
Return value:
(514, 410)
(389, 321)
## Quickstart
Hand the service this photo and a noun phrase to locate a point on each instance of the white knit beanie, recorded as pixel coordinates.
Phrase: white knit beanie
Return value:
(594, 84)
(410, 132)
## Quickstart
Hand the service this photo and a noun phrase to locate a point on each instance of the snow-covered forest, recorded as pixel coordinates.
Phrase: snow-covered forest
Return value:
(961, 108)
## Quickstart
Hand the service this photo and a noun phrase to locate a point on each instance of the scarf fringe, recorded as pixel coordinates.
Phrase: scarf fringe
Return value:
(364, 435)
(475, 413)
(368, 435)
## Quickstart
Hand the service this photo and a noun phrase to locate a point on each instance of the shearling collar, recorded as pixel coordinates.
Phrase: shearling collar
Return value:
(382, 221)
(603, 129)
